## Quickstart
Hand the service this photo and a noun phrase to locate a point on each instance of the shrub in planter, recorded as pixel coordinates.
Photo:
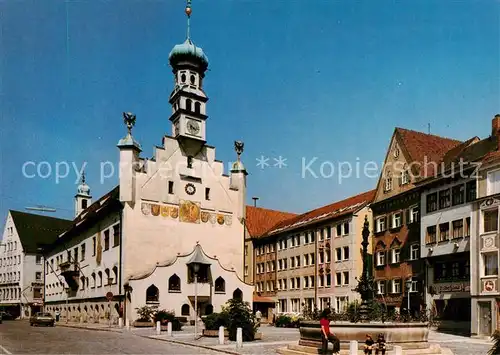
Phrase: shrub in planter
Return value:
(240, 315)
(283, 321)
(145, 313)
(215, 320)
(164, 317)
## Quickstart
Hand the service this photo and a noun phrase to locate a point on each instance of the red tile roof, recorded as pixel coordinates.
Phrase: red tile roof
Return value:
(334, 210)
(425, 148)
(260, 220)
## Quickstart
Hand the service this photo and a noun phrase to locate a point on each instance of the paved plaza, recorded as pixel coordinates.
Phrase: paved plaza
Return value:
(101, 339)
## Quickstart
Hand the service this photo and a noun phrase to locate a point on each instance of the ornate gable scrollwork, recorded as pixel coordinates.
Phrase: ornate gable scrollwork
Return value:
(395, 242)
(380, 245)
(490, 202)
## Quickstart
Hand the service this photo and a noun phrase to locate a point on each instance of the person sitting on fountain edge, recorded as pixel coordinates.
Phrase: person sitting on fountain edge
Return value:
(326, 336)
(369, 344)
(380, 346)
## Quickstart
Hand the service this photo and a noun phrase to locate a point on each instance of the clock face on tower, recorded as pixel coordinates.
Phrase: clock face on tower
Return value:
(193, 127)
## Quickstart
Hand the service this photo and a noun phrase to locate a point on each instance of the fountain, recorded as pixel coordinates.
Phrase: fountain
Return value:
(410, 336)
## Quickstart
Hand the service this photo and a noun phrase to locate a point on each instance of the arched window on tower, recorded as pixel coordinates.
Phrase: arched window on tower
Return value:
(197, 107)
(189, 105)
(174, 283)
(192, 79)
(84, 204)
(220, 285)
(152, 294)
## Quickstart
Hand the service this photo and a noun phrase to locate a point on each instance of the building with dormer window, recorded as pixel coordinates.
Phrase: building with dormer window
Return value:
(398, 270)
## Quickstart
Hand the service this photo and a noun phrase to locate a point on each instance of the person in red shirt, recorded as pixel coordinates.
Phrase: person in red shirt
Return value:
(327, 336)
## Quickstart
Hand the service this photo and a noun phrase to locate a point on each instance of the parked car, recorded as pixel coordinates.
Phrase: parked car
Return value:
(42, 319)
(6, 316)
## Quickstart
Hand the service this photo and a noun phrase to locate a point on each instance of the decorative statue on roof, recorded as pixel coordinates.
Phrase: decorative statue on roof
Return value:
(238, 147)
(129, 119)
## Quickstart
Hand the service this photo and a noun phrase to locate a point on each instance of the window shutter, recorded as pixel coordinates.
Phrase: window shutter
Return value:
(407, 216)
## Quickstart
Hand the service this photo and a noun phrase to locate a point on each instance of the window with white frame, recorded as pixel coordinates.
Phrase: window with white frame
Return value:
(414, 251)
(338, 279)
(345, 278)
(490, 263)
(405, 177)
(396, 220)
(490, 220)
(493, 182)
(388, 184)
(346, 253)
(341, 303)
(381, 287)
(346, 228)
(306, 259)
(381, 258)
(338, 254)
(414, 214)
(413, 283)
(396, 255)
(380, 224)
(396, 286)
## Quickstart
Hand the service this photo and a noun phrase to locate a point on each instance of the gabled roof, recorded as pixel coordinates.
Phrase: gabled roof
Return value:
(456, 160)
(338, 209)
(91, 214)
(425, 148)
(36, 230)
(260, 220)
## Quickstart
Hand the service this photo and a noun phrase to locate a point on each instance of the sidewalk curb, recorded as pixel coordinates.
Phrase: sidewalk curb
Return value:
(89, 328)
(190, 344)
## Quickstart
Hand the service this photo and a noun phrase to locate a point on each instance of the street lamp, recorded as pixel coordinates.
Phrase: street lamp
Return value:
(197, 260)
(196, 269)
(408, 288)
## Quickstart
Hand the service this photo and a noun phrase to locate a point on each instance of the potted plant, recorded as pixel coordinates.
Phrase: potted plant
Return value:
(145, 314)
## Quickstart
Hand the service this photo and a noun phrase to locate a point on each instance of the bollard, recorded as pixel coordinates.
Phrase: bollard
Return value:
(353, 347)
(127, 324)
(158, 328)
(239, 338)
(221, 335)
(120, 322)
(398, 350)
(169, 329)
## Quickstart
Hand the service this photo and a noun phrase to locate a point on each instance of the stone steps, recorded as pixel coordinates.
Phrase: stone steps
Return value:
(293, 349)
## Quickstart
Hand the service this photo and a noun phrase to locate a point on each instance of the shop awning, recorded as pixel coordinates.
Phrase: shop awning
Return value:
(261, 299)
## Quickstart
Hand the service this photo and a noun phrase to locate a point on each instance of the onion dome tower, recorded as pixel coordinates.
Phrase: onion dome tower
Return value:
(189, 64)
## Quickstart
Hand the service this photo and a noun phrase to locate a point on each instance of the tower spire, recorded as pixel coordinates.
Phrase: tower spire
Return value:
(188, 13)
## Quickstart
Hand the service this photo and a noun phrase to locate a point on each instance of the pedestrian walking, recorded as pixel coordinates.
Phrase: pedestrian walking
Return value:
(57, 315)
(258, 315)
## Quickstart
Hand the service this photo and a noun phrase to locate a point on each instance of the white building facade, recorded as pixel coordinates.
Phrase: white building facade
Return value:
(21, 261)
(175, 205)
(445, 236)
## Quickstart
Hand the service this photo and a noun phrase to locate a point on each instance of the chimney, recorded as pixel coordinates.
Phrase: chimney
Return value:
(256, 198)
(495, 129)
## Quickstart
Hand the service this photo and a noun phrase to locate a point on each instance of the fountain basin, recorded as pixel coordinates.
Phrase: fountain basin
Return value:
(412, 335)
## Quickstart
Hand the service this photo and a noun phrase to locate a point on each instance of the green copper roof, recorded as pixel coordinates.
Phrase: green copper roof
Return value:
(185, 50)
(129, 142)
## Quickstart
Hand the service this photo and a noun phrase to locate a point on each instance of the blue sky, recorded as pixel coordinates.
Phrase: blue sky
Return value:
(298, 79)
